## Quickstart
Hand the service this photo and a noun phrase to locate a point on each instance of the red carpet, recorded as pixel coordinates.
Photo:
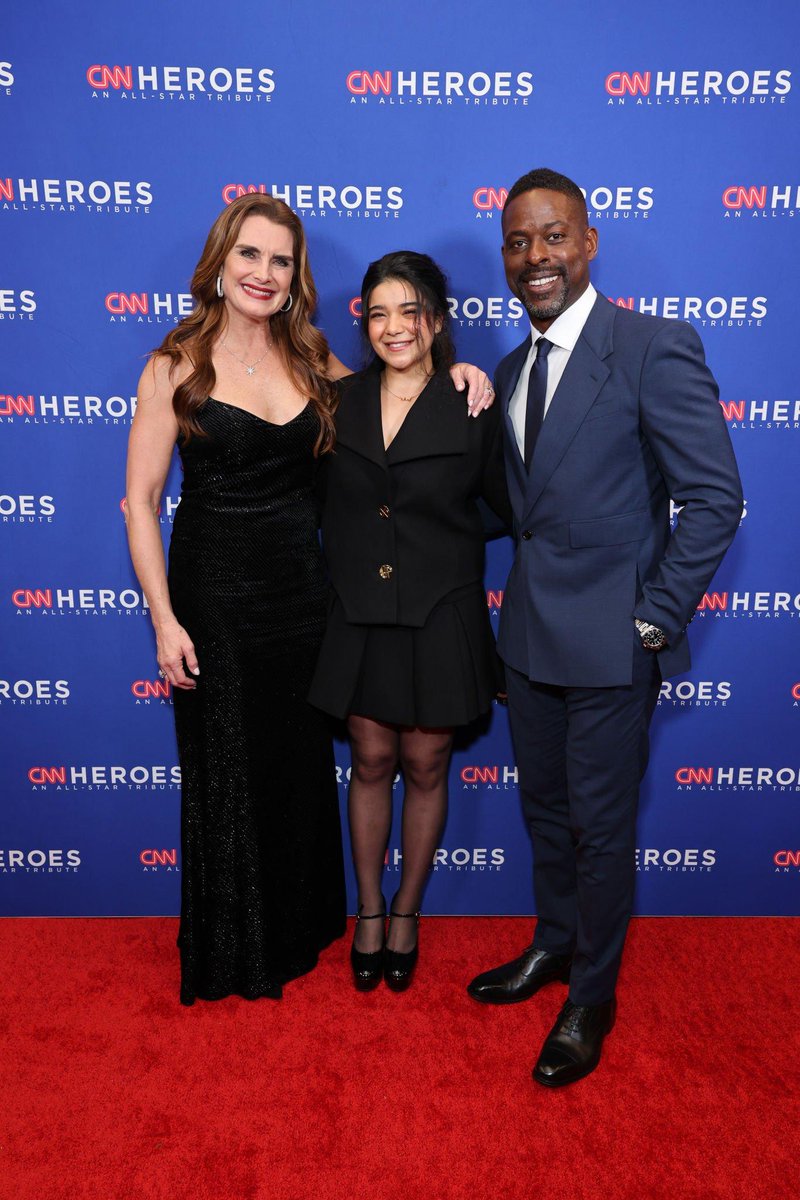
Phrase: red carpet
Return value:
(111, 1090)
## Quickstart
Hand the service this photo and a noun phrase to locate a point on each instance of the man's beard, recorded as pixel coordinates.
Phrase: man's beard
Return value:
(545, 310)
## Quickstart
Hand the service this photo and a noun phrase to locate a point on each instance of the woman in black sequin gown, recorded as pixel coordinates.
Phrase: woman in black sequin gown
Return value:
(240, 620)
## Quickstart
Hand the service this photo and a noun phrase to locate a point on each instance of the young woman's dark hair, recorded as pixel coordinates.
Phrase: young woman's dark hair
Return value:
(429, 285)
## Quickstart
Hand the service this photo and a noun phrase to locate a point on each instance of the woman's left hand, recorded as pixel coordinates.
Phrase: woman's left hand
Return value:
(480, 393)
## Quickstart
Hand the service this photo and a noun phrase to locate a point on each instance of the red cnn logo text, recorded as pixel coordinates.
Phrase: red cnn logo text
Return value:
(374, 82)
(127, 302)
(102, 77)
(694, 775)
(488, 198)
(745, 197)
(15, 406)
(625, 83)
(145, 689)
(48, 775)
(36, 598)
(158, 858)
(712, 601)
(479, 774)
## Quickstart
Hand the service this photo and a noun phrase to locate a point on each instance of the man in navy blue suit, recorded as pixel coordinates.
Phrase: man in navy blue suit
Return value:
(608, 414)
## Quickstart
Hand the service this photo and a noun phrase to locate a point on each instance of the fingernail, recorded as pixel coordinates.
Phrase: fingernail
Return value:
(195, 670)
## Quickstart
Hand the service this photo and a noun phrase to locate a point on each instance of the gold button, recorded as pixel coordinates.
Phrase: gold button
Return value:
(385, 571)
(383, 511)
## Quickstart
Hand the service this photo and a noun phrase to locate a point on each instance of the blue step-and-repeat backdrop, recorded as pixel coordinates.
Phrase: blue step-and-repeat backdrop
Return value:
(126, 128)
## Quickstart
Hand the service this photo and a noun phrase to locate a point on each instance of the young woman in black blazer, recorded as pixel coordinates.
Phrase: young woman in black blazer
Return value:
(409, 652)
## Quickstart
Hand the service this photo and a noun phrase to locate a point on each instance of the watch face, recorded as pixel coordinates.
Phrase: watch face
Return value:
(653, 638)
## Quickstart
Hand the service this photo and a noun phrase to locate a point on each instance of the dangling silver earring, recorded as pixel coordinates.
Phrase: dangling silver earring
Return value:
(220, 292)
(288, 304)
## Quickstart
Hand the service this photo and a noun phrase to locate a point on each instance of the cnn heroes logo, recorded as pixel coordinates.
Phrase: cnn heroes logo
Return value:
(148, 692)
(770, 606)
(460, 858)
(27, 510)
(471, 312)
(75, 195)
(29, 409)
(216, 85)
(786, 862)
(156, 861)
(81, 602)
(39, 862)
(691, 693)
(761, 414)
(711, 312)
(737, 779)
(440, 89)
(761, 200)
(23, 693)
(675, 861)
(147, 308)
(620, 202)
(17, 305)
(735, 89)
(6, 77)
(496, 777)
(348, 201)
(101, 778)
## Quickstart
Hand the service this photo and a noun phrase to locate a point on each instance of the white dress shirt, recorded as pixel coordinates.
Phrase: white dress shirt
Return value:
(563, 334)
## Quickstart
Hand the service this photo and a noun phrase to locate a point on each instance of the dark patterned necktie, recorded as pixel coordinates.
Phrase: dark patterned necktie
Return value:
(537, 391)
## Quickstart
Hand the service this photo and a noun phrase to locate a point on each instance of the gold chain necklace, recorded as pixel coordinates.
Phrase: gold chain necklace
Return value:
(405, 399)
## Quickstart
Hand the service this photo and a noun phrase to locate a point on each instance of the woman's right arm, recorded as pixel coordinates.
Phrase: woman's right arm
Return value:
(150, 446)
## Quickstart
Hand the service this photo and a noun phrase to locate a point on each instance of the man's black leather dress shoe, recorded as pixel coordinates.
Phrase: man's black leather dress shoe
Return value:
(521, 978)
(572, 1047)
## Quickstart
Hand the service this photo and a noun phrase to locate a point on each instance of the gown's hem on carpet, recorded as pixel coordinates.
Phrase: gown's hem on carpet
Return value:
(267, 991)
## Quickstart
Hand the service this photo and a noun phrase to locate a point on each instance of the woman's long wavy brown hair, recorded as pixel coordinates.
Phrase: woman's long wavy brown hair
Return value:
(303, 349)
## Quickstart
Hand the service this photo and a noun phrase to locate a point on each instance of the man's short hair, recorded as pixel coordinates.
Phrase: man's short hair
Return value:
(551, 181)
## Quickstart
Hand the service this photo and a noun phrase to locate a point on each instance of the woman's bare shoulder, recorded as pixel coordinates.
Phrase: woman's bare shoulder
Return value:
(162, 374)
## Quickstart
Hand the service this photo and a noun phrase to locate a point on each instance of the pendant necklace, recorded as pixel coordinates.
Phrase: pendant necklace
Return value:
(249, 367)
(405, 399)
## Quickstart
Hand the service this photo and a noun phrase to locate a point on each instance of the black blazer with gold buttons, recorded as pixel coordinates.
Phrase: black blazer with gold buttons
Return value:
(402, 527)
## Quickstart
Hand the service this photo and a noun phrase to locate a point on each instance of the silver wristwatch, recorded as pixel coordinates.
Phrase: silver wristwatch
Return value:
(652, 637)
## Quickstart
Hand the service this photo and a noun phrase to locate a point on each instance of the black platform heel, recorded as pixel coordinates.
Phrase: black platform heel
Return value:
(398, 967)
(368, 968)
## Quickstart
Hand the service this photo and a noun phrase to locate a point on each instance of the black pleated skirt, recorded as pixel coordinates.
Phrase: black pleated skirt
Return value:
(446, 673)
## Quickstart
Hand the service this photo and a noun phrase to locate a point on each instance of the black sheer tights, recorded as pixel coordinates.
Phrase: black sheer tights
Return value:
(424, 757)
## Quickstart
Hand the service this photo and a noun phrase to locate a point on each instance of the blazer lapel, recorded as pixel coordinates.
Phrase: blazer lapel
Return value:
(583, 377)
(358, 417)
(436, 424)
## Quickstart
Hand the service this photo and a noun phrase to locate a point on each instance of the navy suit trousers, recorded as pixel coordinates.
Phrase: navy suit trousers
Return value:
(581, 754)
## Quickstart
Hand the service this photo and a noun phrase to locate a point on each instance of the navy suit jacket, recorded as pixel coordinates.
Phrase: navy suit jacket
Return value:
(634, 421)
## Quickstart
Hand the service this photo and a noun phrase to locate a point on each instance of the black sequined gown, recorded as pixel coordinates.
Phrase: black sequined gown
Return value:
(262, 872)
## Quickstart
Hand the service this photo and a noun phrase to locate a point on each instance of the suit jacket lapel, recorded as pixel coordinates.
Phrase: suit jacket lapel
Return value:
(358, 417)
(583, 377)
